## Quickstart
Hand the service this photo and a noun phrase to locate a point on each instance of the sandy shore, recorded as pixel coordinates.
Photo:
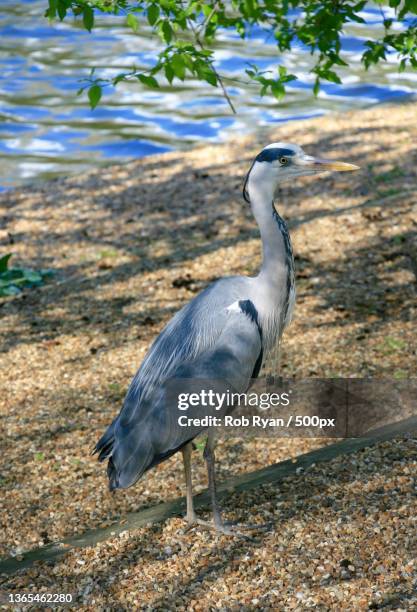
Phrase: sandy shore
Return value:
(130, 244)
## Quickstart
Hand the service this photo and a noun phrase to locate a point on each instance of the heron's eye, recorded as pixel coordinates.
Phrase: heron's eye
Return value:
(283, 161)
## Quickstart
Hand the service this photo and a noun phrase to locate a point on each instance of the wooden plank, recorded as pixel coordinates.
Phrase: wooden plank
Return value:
(244, 482)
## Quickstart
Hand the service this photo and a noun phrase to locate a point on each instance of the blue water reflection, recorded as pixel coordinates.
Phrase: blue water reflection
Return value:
(366, 92)
(128, 148)
(47, 130)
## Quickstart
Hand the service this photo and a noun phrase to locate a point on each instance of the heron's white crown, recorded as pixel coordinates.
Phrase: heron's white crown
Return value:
(285, 145)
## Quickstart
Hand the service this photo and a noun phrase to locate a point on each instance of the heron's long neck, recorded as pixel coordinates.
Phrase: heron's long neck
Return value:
(276, 246)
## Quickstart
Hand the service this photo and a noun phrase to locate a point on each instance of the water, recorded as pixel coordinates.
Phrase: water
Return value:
(47, 130)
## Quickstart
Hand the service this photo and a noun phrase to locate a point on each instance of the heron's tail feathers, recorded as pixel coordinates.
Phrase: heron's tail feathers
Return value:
(131, 455)
(124, 466)
(105, 445)
(112, 475)
(134, 445)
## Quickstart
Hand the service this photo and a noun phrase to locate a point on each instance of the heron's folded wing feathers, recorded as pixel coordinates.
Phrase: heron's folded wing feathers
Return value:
(192, 331)
(152, 435)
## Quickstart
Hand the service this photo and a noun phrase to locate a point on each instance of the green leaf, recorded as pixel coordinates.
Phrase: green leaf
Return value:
(62, 9)
(241, 29)
(282, 71)
(149, 81)
(211, 77)
(169, 73)
(278, 90)
(12, 274)
(10, 290)
(13, 280)
(178, 66)
(4, 262)
(264, 89)
(94, 95)
(51, 11)
(115, 387)
(188, 61)
(205, 72)
(375, 52)
(120, 77)
(332, 77)
(88, 18)
(167, 32)
(132, 22)
(206, 8)
(153, 14)
(31, 276)
(411, 5)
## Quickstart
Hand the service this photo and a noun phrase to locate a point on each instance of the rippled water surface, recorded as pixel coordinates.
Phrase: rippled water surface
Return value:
(47, 130)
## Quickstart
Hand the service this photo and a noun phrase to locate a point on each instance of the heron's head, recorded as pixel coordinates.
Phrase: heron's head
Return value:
(281, 161)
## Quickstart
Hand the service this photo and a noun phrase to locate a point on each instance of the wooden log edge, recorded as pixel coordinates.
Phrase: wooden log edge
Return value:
(271, 474)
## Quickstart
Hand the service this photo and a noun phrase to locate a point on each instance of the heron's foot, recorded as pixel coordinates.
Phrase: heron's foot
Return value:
(191, 519)
(216, 525)
(194, 521)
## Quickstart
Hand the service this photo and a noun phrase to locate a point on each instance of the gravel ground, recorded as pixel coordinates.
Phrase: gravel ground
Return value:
(343, 538)
(130, 244)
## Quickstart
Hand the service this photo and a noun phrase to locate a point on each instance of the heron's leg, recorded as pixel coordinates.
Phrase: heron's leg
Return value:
(190, 517)
(219, 525)
(210, 461)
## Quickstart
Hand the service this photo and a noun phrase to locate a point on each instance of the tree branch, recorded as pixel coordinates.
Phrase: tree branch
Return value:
(200, 44)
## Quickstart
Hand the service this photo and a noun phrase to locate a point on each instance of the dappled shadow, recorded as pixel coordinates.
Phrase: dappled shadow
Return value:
(126, 245)
(137, 220)
(360, 284)
(323, 494)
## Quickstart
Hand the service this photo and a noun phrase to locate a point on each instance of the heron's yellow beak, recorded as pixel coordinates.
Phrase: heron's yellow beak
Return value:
(327, 164)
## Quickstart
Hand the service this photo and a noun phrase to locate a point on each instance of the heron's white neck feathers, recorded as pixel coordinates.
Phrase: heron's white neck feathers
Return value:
(275, 281)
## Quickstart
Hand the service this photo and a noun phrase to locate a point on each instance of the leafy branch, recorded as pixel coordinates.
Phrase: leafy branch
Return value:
(188, 29)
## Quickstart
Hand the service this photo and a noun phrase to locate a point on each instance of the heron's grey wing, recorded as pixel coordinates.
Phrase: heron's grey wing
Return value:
(229, 365)
(190, 332)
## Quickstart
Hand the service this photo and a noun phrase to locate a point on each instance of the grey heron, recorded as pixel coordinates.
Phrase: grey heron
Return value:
(224, 333)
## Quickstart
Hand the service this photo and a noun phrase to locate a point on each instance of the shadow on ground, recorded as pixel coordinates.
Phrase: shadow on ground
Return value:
(159, 224)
